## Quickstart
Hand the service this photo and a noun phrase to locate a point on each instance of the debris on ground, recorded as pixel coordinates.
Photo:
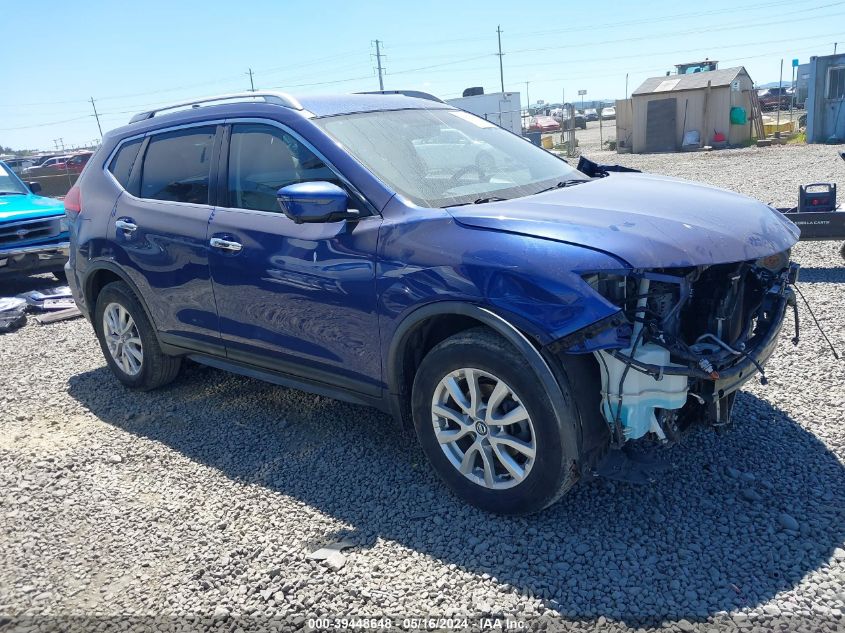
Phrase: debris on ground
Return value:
(331, 553)
(12, 313)
(56, 302)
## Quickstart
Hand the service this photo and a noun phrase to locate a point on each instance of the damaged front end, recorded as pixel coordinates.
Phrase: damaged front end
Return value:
(684, 341)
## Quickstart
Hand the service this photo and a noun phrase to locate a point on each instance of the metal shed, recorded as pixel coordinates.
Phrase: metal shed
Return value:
(826, 99)
(664, 108)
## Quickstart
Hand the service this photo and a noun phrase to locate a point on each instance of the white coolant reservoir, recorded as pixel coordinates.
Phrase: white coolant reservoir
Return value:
(641, 393)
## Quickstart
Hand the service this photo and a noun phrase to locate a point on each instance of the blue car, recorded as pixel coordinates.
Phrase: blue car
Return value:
(526, 318)
(33, 229)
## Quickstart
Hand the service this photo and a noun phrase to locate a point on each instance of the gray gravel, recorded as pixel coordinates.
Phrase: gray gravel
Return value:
(199, 504)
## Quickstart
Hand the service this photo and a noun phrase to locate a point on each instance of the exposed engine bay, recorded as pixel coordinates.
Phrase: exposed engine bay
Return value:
(694, 336)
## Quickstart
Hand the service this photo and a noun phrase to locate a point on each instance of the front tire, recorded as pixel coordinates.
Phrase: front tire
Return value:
(129, 342)
(488, 427)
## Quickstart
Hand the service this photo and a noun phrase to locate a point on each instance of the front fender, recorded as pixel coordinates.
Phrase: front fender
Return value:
(533, 283)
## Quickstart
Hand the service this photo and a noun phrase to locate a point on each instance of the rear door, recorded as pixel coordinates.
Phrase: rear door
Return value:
(295, 298)
(159, 231)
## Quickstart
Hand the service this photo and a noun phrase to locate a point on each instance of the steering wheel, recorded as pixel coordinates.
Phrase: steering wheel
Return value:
(453, 181)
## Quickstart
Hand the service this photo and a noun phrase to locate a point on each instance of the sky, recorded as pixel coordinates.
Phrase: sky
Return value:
(133, 56)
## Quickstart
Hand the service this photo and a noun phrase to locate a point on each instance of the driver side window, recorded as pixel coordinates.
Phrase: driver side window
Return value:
(262, 160)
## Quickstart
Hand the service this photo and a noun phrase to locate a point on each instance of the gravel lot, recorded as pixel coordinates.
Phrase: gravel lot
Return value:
(196, 506)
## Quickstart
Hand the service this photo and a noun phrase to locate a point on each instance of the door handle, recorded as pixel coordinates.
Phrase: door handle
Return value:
(125, 225)
(225, 245)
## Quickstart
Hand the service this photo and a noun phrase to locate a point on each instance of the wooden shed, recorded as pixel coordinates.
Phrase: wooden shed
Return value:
(663, 109)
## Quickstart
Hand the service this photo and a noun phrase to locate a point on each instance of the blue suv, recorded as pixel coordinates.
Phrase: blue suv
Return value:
(527, 318)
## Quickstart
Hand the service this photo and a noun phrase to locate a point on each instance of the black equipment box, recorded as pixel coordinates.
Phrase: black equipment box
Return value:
(818, 197)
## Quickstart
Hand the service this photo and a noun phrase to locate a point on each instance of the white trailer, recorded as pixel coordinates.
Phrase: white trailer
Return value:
(501, 108)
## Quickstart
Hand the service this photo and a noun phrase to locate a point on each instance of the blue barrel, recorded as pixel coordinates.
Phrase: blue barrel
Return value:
(535, 137)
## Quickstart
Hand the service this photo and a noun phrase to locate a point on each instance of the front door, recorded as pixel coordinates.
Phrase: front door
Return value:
(160, 234)
(296, 298)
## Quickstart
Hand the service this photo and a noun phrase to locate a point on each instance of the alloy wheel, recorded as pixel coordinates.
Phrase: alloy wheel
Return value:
(483, 428)
(122, 339)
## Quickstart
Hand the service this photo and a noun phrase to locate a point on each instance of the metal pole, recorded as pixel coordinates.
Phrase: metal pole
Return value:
(780, 92)
(96, 116)
(527, 99)
(378, 60)
(792, 100)
(501, 67)
(601, 132)
(251, 84)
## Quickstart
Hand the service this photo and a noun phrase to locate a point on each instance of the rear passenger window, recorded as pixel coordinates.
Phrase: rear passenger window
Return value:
(177, 165)
(121, 164)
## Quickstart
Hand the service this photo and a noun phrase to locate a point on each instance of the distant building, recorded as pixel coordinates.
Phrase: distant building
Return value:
(826, 99)
(696, 67)
(663, 109)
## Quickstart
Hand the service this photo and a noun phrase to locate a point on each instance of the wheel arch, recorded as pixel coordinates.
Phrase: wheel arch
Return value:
(102, 273)
(458, 316)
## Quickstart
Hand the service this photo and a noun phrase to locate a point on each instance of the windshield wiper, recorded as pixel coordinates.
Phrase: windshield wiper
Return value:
(562, 184)
(476, 201)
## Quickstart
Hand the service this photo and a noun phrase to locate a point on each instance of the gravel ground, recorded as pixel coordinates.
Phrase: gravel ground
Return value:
(196, 506)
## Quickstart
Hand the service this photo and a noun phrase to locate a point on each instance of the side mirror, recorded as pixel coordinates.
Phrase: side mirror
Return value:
(315, 202)
(34, 187)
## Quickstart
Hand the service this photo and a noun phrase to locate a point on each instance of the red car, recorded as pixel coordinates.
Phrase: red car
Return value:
(77, 162)
(543, 124)
(71, 164)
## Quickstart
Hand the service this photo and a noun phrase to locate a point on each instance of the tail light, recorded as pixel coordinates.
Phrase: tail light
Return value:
(73, 202)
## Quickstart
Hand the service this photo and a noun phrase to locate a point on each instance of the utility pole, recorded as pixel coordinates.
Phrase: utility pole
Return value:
(527, 99)
(97, 116)
(501, 54)
(251, 84)
(380, 69)
(780, 93)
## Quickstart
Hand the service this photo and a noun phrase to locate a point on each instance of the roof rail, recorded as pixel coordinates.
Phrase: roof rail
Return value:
(408, 93)
(278, 98)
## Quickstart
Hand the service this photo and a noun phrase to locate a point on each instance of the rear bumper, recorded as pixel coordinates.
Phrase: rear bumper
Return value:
(34, 259)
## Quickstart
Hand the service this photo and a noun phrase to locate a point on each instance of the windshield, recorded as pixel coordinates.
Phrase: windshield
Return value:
(9, 183)
(439, 158)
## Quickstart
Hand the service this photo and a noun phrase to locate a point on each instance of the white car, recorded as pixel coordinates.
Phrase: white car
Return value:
(452, 149)
(54, 162)
(608, 113)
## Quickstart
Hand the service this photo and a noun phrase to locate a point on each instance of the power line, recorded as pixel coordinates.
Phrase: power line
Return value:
(664, 18)
(604, 25)
(674, 52)
(28, 127)
(449, 63)
(729, 27)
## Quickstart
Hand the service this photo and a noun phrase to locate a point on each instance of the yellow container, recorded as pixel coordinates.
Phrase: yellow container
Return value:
(547, 141)
(770, 126)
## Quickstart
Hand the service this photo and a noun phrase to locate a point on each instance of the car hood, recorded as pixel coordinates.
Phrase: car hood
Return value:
(29, 207)
(648, 221)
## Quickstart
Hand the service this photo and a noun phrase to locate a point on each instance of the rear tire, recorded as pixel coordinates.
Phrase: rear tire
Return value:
(129, 342)
(508, 468)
